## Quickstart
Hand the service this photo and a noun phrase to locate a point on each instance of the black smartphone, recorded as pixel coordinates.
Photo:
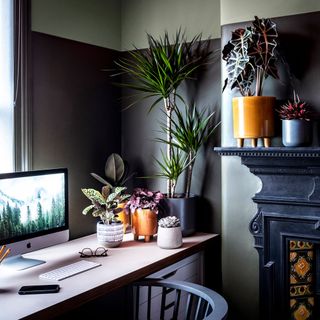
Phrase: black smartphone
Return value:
(43, 288)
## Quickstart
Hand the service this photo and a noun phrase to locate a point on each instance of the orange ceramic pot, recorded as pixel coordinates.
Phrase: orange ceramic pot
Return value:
(144, 223)
(124, 217)
(253, 118)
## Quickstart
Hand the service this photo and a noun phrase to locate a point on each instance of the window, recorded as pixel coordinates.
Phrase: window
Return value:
(6, 86)
(15, 109)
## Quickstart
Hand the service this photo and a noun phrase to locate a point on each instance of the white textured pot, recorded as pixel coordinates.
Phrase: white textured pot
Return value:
(109, 235)
(169, 238)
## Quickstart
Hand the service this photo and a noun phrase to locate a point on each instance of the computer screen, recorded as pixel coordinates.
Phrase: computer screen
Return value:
(33, 213)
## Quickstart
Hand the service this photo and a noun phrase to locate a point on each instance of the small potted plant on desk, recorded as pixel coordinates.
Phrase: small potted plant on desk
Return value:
(169, 233)
(296, 122)
(144, 207)
(116, 173)
(106, 206)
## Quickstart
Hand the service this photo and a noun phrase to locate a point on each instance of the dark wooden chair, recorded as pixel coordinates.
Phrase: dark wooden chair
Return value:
(174, 299)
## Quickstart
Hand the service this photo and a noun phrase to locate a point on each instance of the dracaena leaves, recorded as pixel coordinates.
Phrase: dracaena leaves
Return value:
(163, 66)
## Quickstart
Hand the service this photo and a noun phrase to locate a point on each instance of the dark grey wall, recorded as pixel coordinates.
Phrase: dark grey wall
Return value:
(76, 116)
(138, 146)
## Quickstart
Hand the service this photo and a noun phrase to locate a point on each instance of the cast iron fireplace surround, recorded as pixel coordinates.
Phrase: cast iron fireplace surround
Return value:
(286, 229)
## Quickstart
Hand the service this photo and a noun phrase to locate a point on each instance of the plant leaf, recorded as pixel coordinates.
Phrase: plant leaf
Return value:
(114, 168)
(87, 209)
(100, 179)
(93, 195)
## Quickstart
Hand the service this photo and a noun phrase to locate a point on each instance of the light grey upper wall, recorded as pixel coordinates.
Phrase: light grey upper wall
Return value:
(117, 24)
(154, 17)
(244, 10)
(94, 22)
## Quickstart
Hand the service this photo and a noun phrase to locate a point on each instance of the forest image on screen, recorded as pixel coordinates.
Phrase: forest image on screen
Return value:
(31, 204)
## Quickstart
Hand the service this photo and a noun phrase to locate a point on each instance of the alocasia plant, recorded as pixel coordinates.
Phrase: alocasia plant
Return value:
(251, 57)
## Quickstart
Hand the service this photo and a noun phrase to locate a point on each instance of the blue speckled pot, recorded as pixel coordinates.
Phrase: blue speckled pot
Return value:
(296, 133)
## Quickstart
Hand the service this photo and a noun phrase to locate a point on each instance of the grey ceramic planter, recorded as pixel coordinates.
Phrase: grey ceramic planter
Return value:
(296, 133)
(185, 209)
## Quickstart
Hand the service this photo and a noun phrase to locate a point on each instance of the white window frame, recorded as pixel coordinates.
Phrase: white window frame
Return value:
(23, 106)
(6, 86)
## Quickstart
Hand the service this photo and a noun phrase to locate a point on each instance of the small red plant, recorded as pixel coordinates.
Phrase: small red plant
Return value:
(295, 109)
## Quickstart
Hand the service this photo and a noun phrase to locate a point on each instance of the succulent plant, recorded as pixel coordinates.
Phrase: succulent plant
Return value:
(169, 222)
(295, 109)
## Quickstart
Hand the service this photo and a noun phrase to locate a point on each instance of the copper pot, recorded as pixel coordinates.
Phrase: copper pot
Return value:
(144, 223)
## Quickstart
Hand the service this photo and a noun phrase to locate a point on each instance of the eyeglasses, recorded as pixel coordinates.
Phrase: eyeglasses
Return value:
(88, 252)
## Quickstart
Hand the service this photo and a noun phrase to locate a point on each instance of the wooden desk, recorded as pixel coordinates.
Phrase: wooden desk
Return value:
(129, 262)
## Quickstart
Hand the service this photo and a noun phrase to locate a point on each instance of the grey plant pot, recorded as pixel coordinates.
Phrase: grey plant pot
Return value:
(185, 209)
(296, 133)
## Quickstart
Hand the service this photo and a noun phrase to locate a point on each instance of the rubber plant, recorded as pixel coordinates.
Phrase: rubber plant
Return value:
(251, 57)
(116, 172)
(159, 70)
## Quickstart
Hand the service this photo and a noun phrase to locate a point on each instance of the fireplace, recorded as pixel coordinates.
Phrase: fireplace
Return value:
(286, 229)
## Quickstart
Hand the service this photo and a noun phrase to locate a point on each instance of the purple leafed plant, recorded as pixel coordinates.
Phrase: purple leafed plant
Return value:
(144, 199)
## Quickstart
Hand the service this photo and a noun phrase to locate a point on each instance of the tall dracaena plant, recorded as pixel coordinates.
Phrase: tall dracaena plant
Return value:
(251, 57)
(190, 130)
(171, 168)
(159, 70)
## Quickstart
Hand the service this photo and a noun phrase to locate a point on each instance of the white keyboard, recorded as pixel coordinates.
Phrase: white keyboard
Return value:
(69, 270)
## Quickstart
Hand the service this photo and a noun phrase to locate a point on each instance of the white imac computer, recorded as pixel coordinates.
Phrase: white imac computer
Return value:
(33, 213)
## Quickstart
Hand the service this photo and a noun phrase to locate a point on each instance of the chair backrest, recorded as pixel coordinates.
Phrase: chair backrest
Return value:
(174, 299)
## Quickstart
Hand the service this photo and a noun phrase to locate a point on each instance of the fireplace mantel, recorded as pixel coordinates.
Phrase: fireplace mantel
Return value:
(287, 174)
(273, 152)
(286, 225)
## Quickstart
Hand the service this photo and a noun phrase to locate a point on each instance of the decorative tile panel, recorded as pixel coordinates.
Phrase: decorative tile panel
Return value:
(301, 274)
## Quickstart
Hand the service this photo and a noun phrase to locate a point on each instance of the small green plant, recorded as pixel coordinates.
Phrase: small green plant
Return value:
(295, 109)
(105, 204)
(169, 222)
